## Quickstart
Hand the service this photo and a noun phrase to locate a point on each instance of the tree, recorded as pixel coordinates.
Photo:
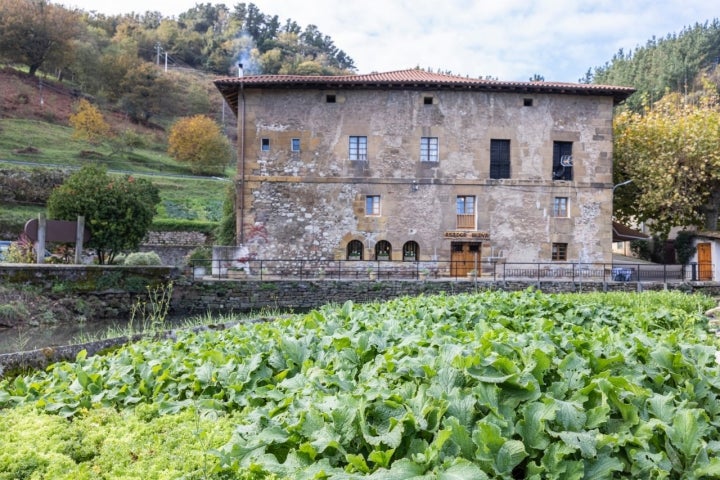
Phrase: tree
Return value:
(88, 123)
(118, 210)
(672, 154)
(33, 32)
(199, 142)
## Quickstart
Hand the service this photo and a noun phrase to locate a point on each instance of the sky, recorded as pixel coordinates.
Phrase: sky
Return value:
(504, 39)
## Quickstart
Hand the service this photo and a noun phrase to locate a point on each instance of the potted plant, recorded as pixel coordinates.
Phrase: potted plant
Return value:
(472, 274)
(199, 260)
(321, 273)
(372, 274)
(423, 273)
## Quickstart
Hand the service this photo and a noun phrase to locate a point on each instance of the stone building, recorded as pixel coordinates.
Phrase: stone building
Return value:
(411, 165)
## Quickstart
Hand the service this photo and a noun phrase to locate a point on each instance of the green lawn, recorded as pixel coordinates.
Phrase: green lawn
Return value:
(34, 142)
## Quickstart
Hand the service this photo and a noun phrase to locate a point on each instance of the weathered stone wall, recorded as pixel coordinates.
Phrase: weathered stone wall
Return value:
(310, 204)
(173, 247)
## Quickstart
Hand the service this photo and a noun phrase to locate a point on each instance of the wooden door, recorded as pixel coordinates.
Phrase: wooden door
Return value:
(704, 261)
(464, 258)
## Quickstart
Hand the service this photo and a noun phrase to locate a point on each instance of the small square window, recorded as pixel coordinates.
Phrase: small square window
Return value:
(427, 100)
(295, 144)
(527, 102)
(559, 252)
(429, 149)
(372, 205)
(265, 144)
(330, 98)
(560, 207)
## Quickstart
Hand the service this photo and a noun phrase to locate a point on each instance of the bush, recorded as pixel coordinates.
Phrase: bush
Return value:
(143, 258)
(200, 257)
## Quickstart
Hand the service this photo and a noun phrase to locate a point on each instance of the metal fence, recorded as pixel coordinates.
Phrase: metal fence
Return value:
(297, 269)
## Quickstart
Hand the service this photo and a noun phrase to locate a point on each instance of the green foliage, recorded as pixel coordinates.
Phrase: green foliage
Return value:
(200, 257)
(226, 233)
(142, 258)
(173, 225)
(670, 63)
(684, 247)
(492, 385)
(37, 33)
(672, 154)
(117, 211)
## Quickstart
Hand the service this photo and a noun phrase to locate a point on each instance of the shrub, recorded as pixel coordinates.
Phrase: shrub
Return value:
(143, 258)
(200, 257)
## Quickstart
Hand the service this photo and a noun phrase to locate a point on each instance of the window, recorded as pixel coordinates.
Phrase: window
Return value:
(295, 144)
(357, 149)
(560, 207)
(411, 251)
(383, 249)
(330, 98)
(499, 158)
(372, 205)
(559, 252)
(265, 144)
(429, 149)
(562, 161)
(427, 100)
(355, 250)
(527, 102)
(466, 211)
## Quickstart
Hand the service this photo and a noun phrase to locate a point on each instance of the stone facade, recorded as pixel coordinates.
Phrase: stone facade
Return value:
(305, 189)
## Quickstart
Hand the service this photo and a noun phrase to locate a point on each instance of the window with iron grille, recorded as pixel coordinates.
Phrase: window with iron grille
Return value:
(559, 252)
(429, 149)
(499, 158)
(562, 161)
(357, 149)
(355, 250)
(372, 205)
(560, 207)
(466, 212)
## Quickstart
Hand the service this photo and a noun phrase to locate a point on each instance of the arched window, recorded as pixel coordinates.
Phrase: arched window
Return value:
(383, 249)
(411, 251)
(355, 250)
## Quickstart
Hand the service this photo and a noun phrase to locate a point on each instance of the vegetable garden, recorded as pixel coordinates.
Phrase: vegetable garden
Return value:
(482, 386)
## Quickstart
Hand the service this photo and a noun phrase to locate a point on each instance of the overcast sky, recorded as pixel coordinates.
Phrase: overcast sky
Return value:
(505, 39)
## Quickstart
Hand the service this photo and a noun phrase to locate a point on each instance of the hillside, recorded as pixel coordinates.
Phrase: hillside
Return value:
(37, 150)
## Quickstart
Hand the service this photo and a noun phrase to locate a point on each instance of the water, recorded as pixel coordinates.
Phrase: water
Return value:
(36, 337)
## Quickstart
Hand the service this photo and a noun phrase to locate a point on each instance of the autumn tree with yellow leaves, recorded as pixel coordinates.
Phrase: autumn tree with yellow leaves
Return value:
(88, 123)
(671, 152)
(199, 142)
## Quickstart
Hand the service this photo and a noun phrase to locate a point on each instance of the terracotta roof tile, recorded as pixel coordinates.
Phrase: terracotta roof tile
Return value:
(413, 79)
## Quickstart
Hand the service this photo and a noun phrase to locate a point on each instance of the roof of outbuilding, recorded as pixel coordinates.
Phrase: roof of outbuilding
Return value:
(413, 79)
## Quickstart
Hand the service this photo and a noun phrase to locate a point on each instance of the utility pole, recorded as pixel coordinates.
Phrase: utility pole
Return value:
(157, 56)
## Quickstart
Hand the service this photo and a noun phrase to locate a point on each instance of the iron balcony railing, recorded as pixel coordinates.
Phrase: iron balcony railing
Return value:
(487, 270)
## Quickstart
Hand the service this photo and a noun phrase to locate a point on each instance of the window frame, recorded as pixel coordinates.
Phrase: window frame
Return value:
(467, 218)
(264, 144)
(559, 172)
(561, 207)
(372, 205)
(357, 150)
(558, 252)
(499, 158)
(429, 150)
(294, 144)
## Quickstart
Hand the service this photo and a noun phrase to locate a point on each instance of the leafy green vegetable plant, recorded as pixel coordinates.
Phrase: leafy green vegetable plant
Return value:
(491, 385)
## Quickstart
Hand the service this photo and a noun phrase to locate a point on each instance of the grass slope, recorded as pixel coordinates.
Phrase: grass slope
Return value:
(491, 385)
